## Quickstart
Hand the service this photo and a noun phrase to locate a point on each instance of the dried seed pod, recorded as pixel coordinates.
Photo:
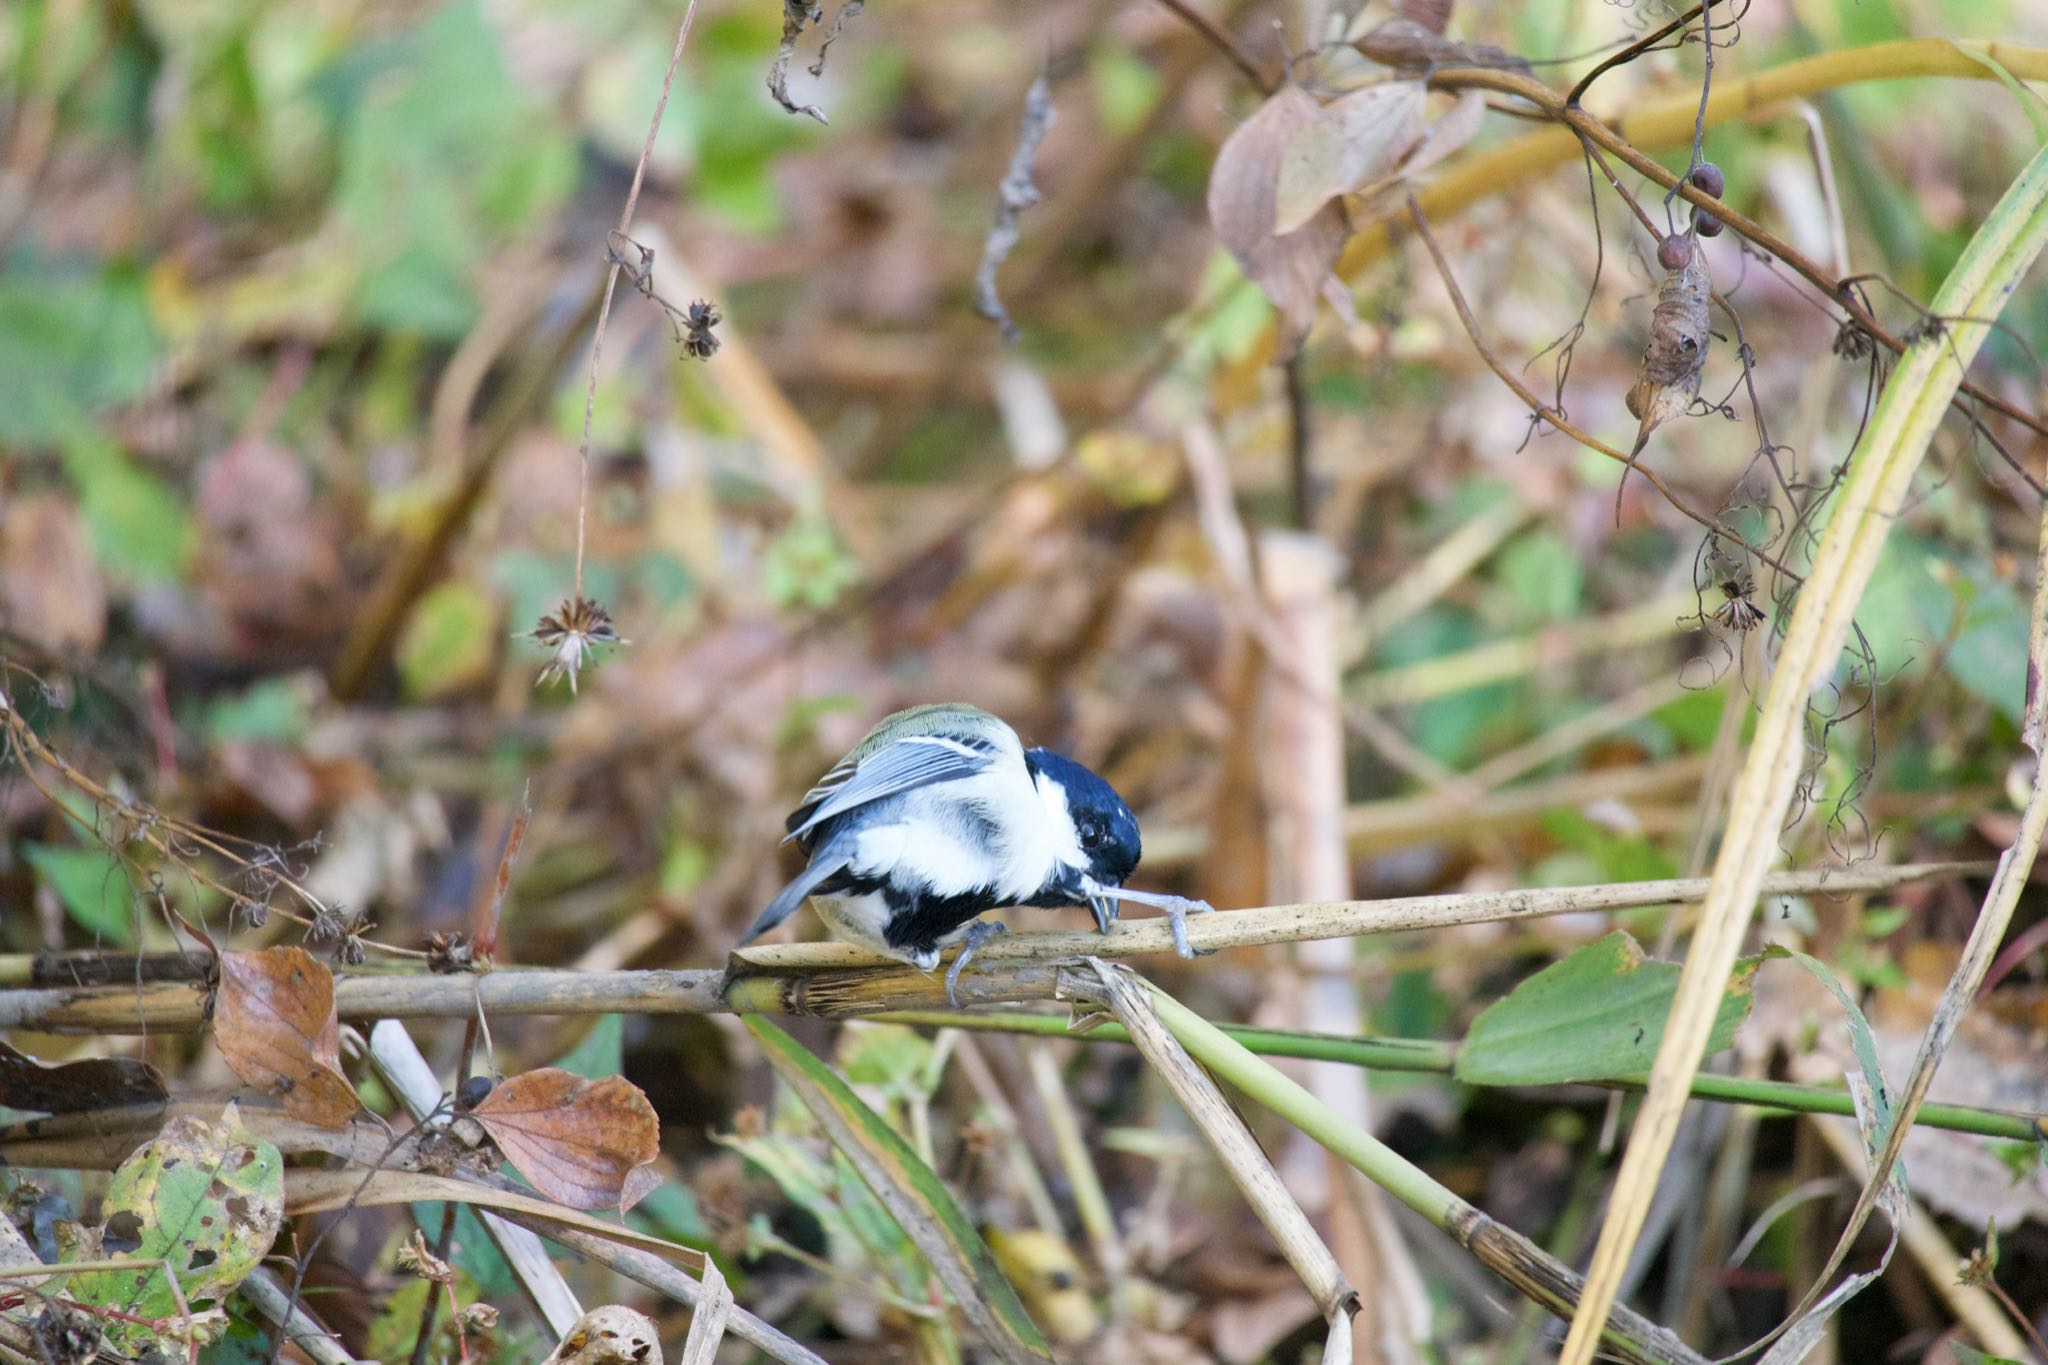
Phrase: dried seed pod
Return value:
(1677, 351)
(1674, 251)
(1708, 177)
(1739, 611)
(1706, 224)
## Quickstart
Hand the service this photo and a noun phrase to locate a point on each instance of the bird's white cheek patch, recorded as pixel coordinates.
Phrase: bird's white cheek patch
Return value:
(1063, 845)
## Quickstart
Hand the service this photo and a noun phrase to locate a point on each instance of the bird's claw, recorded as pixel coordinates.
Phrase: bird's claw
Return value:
(1177, 910)
(978, 933)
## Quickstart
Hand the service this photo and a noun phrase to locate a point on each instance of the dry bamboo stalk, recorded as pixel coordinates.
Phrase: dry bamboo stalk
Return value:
(1308, 860)
(838, 978)
(1916, 396)
(1243, 1159)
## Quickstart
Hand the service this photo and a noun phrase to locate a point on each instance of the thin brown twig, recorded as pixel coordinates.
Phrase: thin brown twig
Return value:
(1225, 42)
(1633, 51)
(611, 284)
(1557, 419)
(177, 841)
(2018, 1315)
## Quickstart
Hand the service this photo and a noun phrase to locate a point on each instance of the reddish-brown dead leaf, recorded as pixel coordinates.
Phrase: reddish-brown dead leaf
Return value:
(580, 1142)
(276, 1027)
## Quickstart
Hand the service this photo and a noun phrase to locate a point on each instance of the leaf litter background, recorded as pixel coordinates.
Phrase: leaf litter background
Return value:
(277, 282)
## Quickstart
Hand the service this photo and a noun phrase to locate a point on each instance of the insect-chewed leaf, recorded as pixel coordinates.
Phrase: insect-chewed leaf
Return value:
(1597, 1015)
(608, 1335)
(276, 1027)
(96, 1083)
(206, 1199)
(1289, 267)
(580, 1142)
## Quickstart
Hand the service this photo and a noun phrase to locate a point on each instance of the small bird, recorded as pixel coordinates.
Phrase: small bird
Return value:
(939, 814)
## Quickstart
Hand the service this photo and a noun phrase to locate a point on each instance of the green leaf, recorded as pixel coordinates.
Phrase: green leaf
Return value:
(914, 1196)
(671, 1211)
(1877, 1124)
(805, 565)
(207, 1200)
(92, 886)
(1542, 575)
(69, 349)
(601, 1053)
(275, 709)
(449, 641)
(140, 527)
(1970, 1355)
(445, 129)
(1597, 1015)
(890, 1057)
(1126, 87)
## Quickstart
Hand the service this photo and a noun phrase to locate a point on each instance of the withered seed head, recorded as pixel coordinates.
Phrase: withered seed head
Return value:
(1739, 612)
(699, 341)
(573, 631)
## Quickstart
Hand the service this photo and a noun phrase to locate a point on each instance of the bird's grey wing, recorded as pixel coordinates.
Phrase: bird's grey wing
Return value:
(907, 763)
(830, 862)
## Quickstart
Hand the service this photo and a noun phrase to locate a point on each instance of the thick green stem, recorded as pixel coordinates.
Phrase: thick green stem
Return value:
(1534, 1273)
(1429, 1056)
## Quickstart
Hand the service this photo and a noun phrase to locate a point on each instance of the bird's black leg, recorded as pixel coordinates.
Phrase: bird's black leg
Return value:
(978, 933)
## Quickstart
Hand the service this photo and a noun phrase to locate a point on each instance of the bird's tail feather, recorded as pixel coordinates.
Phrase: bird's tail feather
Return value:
(785, 904)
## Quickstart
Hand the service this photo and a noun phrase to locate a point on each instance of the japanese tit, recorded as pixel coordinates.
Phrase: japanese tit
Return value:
(939, 814)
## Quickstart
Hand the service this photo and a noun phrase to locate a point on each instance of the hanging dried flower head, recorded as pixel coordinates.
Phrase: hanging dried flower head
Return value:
(573, 631)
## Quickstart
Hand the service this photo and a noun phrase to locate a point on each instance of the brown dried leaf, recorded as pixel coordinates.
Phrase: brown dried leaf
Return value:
(578, 1141)
(276, 1027)
(75, 1087)
(1290, 268)
(1356, 140)
(1411, 43)
(1434, 15)
(51, 592)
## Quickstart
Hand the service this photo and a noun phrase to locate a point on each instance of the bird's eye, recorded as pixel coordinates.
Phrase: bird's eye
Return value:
(1092, 835)
(1061, 1280)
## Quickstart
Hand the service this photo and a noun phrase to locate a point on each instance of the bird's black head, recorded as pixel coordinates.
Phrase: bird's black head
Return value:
(1103, 824)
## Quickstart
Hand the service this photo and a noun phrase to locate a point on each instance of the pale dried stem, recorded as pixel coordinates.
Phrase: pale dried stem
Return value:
(611, 284)
(839, 978)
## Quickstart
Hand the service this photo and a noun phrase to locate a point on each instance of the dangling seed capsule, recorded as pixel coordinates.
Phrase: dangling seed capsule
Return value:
(1707, 176)
(1706, 224)
(1674, 251)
